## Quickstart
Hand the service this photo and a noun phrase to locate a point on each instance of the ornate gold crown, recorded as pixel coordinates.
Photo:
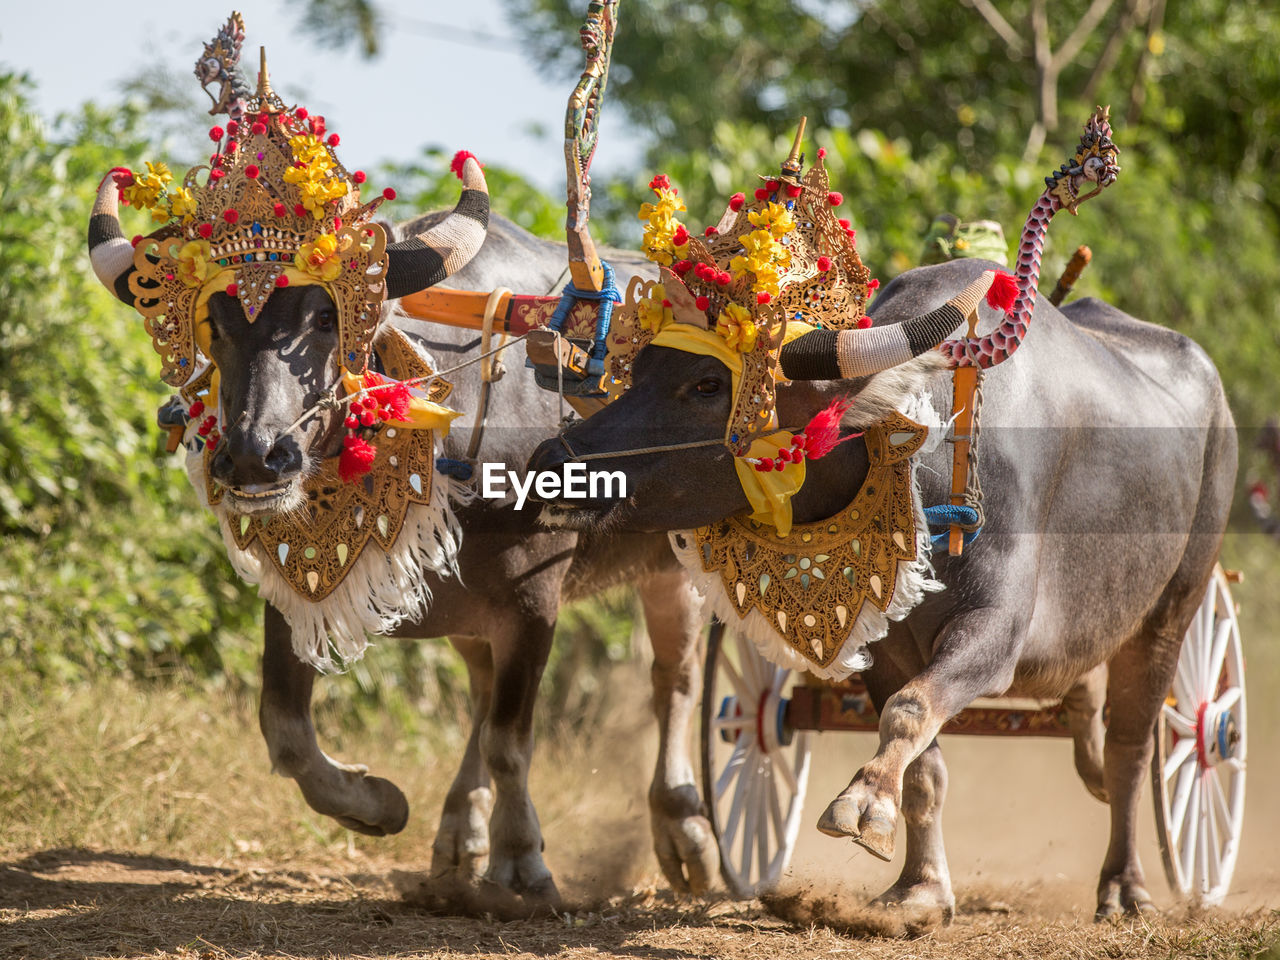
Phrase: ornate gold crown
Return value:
(274, 196)
(783, 257)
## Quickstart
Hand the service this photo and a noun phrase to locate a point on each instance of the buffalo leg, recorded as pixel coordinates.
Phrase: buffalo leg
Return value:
(506, 743)
(973, 656)
(925, 880)
(461, 846)
(343, 791)
(1084, 703)
(682, 837)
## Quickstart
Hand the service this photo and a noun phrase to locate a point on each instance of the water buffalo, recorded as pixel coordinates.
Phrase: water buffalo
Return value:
(513, 574)
(1107, 459)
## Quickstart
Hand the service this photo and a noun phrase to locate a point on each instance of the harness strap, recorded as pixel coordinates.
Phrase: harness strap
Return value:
(718, 441)
(491, 368)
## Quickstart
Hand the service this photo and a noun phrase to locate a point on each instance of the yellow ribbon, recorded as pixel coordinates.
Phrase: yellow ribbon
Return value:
(424, 414)
(768, 493)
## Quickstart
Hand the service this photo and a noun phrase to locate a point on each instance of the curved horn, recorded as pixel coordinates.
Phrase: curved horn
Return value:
(109, 252)
(846, 354)
(425, 260)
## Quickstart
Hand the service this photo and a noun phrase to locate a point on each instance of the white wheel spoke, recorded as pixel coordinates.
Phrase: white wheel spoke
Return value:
(1182, 726)
(745, 699)
(1189, 837)
(1183, 681)
(751, 821)
(734, 766)
(734, 819)
(765, 793)
(737, 722)
(1216, 657)
(775, 813)
(1178, 756)
(1178, 804)
(1202, 842)
(1230, 697)
(750, 662)
(1212, 846)
(1234, 764)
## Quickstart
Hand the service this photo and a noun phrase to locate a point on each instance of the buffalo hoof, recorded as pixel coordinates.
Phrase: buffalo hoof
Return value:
(461, 846)
(1118, 898)
(873, 831)
(528, 877)
(369, 805)
(683, 840)
(923, 898)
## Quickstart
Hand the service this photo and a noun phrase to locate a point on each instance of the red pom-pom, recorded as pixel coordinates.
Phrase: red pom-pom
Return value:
(333, 140)
(710, 232)
(205, 230)
(280, 209)
(460, 160)
(823, 432)
(282, 281)
(682, 267)
(779, 465)
(761, 193)
(122, 176)
(772, 185)
(233, 126)
(195, 409)
(232, 146)
(251, 171)
(215, 133)
(824, 264)
(724, 278)
(299, 210)
(217, 174)
(864, 322)
(763, 297)
(357, 458)
(301, 113)
(258, 129)
(798, 441)
(351, 422)
(704, 271)
(794, 189)
(215, 160)
(764, 466)
(660, 182)
(137, 239)
(359, 176)
(1004, 290)
(822, 152)
(681, 236)
(367, 418)
(844, 222)
(388, 194)
(784, 455)
(873, 284)
(233, 289)
(736, 201)
(231, 216)
(703, 303)
(835, 198)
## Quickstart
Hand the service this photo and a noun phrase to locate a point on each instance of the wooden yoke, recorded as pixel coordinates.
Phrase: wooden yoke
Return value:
(964, 382)
(581, 135)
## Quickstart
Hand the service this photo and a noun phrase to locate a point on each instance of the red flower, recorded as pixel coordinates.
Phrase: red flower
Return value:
(660, 182)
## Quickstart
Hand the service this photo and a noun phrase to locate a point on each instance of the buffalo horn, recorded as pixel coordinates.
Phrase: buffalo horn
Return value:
(425, 260)
(846, 354)
(109, 252)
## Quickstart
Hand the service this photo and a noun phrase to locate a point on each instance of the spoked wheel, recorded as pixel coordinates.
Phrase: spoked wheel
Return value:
(754, 768)
(1199, 763)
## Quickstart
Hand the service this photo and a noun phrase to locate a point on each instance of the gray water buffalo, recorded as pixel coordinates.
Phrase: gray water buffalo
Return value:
(514, 574)
(1107, 460)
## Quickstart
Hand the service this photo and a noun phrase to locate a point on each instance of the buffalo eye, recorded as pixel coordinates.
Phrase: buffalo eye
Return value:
(326, 318)
(709, 386)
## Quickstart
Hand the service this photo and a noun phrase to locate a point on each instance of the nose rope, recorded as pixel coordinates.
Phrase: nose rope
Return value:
(663, 448)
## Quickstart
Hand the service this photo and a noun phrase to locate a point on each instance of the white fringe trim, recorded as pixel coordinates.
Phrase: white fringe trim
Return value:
(914, 580)
(379, 592)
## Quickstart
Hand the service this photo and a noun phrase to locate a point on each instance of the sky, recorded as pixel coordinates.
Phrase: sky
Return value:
(449, 75)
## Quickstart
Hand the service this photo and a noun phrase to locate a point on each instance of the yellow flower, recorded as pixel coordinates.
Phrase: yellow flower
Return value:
(321, 258)
(308, 149)
(182, 203)
(144, 193)
(194, 265)
(160, 171)
(161, 212)
(654, 312)
(737, 328)
(661, 227)
(775, 218)
(316, 193)
(764, 258)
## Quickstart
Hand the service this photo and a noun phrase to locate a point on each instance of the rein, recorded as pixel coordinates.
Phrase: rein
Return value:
(691, 445)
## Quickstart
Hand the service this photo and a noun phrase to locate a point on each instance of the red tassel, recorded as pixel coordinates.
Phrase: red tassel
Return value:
(1004, 290)
(357, 458)
(459, 161)
(822, 435)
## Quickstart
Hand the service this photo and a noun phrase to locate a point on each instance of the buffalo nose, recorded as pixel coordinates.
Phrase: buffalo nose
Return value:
(548, 455)
(253, 457)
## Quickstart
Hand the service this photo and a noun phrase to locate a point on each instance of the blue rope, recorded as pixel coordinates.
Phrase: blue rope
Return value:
(944, 515)
(608, 295)
(457, 469)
